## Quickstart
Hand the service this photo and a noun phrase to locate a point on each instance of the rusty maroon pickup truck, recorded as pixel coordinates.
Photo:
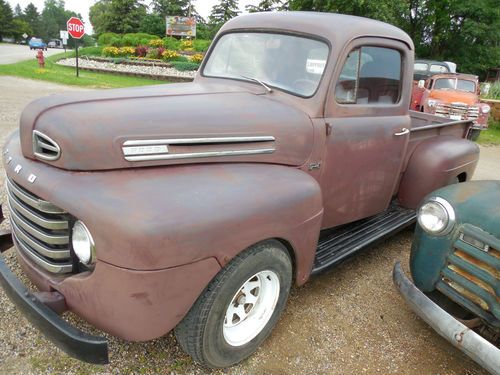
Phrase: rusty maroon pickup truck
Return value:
(196, 206)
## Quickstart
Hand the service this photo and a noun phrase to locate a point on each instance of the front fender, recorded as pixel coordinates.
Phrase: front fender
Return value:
(435, 163)
(157, 218)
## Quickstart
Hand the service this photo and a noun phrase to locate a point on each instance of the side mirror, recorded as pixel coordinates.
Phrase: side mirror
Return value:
(421, 84)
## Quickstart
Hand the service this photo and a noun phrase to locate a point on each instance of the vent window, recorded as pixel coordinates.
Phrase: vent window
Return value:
(44, 147)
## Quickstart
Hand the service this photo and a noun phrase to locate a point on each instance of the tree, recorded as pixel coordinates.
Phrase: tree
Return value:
(268, 6)
(125, 16)
(223, 12)
(18, 12)
(99, 16)
(32, 17)
(171, 7)
(153, 24)
(20, 27)
(6, 18)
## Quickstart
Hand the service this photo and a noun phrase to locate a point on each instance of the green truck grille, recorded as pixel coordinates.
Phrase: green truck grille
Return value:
(471, 276)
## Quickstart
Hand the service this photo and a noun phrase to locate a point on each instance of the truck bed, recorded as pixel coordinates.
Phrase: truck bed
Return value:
(425, 126)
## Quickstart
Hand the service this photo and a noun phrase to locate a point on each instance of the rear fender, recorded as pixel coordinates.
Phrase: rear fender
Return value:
(435, 163)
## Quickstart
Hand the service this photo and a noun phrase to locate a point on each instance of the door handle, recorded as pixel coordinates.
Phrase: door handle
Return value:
(403, 131)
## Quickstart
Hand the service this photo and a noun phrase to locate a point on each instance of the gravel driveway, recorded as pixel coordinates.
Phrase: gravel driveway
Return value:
(349, 320)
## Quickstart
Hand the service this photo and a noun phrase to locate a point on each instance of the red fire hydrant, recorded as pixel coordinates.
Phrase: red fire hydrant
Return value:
(40, 58)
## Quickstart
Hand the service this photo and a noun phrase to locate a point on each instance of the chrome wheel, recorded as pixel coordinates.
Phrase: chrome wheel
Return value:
(251, 308)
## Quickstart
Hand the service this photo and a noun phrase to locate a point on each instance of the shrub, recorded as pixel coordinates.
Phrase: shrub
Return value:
(154, 53)
(116, 42)
(156, 43)
(127, 51)
(141, 51)
(90, 51)
(197, 58)
(186, 45)
(201, 45)
(111, 51)
(185, 66)
(170, 55)
(135, 39)
(494, 92)
(105, 39)
(171, 43)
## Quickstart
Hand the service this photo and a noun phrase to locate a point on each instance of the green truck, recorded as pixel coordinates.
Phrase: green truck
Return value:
(455, 266)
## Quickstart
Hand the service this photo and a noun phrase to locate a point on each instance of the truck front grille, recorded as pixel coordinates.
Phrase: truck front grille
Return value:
(472, 274)
(460, 111)
(40, 229)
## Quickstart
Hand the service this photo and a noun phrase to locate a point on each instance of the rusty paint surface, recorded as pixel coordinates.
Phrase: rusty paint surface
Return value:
(482, 265)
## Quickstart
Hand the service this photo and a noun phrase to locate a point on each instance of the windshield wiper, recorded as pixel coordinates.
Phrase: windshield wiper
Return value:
(269, 90)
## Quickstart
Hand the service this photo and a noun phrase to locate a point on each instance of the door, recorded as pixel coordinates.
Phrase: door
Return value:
(367, 113)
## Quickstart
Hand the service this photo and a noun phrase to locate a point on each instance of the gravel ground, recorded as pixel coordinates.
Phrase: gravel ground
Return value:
(154, 70)
(349, 320)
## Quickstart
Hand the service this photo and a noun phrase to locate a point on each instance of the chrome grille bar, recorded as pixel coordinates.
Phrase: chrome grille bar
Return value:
(40, 229)
(31, 200)
(45, 251)
(57, 268)
(34, 217)
(49, 239)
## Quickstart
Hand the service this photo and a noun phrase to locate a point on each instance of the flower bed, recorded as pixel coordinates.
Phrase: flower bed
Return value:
(160, 70)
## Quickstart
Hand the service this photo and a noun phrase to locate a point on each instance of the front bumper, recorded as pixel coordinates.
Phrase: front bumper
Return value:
(76, 343)
(473, 345)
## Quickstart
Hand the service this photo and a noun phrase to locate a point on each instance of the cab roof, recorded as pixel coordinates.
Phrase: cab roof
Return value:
(339, 29)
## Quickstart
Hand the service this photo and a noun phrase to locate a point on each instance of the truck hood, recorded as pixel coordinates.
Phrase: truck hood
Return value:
(164, 124)
(452, 96)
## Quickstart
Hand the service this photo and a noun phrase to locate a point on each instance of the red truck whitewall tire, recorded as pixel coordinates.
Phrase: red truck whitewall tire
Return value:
(239, 308)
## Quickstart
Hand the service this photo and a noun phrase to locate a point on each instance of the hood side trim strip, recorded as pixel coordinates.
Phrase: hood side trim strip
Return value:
(199, 154)
(181, 141)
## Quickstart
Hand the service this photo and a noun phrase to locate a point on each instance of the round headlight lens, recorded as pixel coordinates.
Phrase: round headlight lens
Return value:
(83, 244)
(432, 103)
(437, 216)
(485, 108)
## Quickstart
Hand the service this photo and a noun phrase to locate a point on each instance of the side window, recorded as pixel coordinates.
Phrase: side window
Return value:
(371, 75)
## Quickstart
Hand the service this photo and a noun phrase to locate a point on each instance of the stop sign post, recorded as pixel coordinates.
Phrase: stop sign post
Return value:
(77, 30)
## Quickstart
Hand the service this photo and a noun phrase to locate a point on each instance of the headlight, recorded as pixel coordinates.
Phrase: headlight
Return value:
(431, 102)
(83, 244)
(436, 216)
(485, 108)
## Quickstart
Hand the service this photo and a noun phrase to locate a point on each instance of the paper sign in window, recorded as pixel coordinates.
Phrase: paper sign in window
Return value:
(315, 66)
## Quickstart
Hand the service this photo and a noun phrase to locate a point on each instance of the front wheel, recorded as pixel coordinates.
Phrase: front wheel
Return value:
(239, 308)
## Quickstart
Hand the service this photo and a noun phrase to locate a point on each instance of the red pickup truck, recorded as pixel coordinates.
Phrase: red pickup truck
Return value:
(454, 96)
(196, 206)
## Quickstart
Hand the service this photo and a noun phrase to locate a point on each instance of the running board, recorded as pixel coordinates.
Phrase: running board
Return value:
(339, 243)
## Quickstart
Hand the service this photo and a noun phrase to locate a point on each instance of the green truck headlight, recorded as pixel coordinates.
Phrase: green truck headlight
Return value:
(436, 216)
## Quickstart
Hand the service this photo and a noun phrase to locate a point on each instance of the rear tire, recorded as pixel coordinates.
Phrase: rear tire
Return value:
(474, 134)
(239, 308)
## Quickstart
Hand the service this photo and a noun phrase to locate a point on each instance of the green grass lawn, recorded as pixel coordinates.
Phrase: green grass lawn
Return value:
(67, 75)
(492, 135)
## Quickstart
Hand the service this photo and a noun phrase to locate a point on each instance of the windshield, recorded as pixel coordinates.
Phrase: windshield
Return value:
(35, 40)
(455, 84)
(420, 67)
(286, 62)
(438, 69)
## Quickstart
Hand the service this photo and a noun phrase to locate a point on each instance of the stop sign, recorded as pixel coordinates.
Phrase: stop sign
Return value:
(75, 27)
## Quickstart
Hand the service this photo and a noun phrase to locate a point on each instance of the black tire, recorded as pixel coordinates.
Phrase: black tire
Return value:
(474, 134)
(200, 333)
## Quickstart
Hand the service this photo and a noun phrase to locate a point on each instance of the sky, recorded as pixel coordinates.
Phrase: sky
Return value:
(82, 6)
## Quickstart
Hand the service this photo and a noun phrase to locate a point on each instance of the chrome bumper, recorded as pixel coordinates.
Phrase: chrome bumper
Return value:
(476, 347)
